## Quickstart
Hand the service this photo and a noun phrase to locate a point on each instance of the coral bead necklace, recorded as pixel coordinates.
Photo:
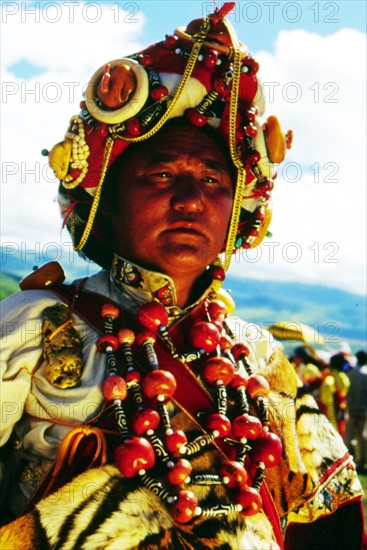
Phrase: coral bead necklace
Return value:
(159, 455)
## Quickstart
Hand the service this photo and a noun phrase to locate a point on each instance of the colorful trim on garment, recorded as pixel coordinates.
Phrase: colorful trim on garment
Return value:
(144, 285)
(338, 487)
(156, 285)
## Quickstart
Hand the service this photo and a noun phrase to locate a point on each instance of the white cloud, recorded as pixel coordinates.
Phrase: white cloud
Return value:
(66, 43)
(318, 86)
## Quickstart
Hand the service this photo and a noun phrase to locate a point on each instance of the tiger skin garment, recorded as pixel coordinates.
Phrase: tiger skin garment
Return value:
(315, 479)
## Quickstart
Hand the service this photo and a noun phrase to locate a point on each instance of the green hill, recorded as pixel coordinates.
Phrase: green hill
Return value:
(8, 284)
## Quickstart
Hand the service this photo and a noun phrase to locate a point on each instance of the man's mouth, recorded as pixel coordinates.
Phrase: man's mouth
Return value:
(187, 227)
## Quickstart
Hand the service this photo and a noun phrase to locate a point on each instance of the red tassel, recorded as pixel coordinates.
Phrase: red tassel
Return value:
(220, 14)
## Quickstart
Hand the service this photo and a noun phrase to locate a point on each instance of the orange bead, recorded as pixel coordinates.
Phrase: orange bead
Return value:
(257, 385)
(204, 335)
(114, 387)
(239, 381)
(234, 474)
(246, 425)
(267, 449)
(145, 337)
(126, 336)
(180, 472)
(134, 456)
(183, 510)
(217, 310)
(107, 341)
(152, 315)
(219, 423)
(157, 383)
(218, 369)
(175, 440)
(144, 420)
(239, 351)
(109, 310)
(250, 501)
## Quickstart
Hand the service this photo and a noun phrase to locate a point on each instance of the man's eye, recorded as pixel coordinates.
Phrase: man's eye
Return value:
(210, 179)
(163, 175)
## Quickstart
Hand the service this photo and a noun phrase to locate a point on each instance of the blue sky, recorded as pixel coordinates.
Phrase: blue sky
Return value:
(312, 59)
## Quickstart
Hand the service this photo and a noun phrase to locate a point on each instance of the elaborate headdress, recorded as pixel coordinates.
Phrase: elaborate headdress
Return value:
(201, 72)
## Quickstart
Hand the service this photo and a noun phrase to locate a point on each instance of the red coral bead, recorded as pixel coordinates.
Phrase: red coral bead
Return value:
(252, 64)
(114, 387)
(152, 315)
(109, 310)
(126, 336)
(133, 376)
(183, 510)
(250, 501)
(218, 369)
(204, 335)
(257, 385)
(145, 60)
(217, 272)
(225, 343)
(159, 93)
(239, 351)
(75, 173)
(251, 131)
(234, 474)
(210, 59)
(134, 456)
(134, 127)
(217, 310)
(170, 41)
(221, 87)
(238, 381)
(175, 440)
(251, 114)
(144, 420)
(220, 423)
(197, 119)
(246, 426)
(107, 341)
(253, 157)
(180, 472)
(159, 382)
(267, 449)
(145, 337)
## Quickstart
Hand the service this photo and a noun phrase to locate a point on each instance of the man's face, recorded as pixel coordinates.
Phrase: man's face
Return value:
(175, 201)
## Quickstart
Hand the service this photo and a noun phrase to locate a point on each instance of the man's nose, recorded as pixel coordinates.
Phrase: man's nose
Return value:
(187, 196)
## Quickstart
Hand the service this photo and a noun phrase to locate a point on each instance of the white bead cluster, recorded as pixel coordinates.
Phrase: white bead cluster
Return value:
(80, 153)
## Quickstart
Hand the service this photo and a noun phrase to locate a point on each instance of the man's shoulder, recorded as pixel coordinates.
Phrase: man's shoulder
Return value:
(33, 301)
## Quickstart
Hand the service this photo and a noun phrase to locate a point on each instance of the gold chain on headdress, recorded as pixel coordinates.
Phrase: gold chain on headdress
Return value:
(241, 172)
(97, 196)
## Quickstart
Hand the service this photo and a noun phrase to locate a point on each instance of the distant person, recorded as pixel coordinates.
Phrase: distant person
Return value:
(334, 390)
(307, 369)
(356, 429)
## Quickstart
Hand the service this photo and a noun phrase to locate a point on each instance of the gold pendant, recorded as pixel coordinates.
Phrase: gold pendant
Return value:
(62, 348)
